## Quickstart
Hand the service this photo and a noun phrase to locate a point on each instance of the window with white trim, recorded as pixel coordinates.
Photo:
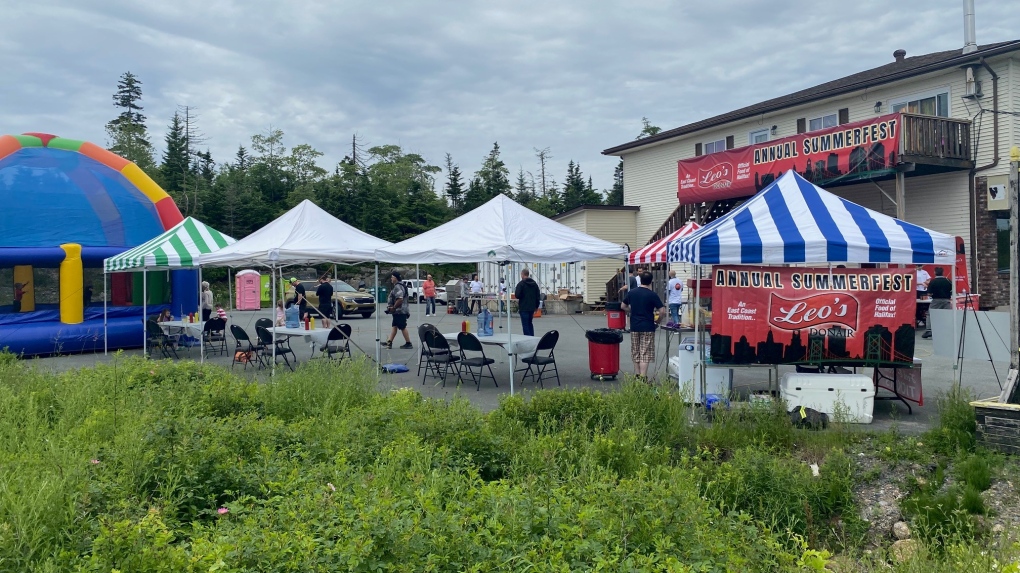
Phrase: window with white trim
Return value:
(714, 146)
(758, 136)
(823, 122)
(934, 102)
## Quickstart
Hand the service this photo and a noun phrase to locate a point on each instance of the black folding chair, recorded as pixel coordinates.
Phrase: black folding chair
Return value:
(245, 352)
(339, 342)
(425, 350)
(214, 335)
(282, 346)
(470, 343)
(156, 338)
(542, 363)
(439, 355)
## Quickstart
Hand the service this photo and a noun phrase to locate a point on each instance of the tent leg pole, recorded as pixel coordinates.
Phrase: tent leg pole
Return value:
(378, 350)
(106, 339)
(145, 322)
(417, 278)
(201, 334)
(336, 314)
(272, 371)
(230, 294)
(511, 358)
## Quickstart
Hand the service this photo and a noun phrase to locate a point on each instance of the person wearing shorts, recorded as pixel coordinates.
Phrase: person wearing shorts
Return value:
(397, 308)
(643, 303)
(325, 293)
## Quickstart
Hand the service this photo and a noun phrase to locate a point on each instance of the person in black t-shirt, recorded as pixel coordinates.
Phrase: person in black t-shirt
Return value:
(941, 291)
(643, 303)
(325, 294)
(299, 297)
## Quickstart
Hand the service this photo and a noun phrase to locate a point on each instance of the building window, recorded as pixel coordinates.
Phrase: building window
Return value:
(823, 122)
(934, 103)
(1002, 236)
(714, 146)
(760, 136)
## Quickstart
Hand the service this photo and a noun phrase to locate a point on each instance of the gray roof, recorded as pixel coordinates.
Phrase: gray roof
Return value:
(908, 67)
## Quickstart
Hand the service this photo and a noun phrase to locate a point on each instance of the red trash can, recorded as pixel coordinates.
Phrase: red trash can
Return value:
(615, 317)
(604, 352)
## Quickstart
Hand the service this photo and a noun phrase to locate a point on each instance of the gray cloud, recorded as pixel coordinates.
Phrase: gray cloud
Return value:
(448, 77)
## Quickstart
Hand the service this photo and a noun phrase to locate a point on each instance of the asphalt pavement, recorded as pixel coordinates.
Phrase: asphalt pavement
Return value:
(573, 363)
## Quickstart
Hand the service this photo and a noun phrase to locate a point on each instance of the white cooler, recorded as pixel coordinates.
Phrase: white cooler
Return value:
(855, 392)
(681, 368)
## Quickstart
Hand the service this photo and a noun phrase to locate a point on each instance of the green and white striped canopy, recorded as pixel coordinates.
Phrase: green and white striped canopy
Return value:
(180, 247)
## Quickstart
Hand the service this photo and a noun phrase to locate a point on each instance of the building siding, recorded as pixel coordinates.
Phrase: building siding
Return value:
(940, 202)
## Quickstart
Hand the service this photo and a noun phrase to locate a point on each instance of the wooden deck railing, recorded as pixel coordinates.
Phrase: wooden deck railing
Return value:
(936, 141)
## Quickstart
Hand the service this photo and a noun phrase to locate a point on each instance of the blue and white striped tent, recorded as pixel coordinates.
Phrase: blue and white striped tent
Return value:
(794, 221)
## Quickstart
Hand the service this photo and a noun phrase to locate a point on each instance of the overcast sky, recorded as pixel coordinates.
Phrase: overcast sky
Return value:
(438, 77)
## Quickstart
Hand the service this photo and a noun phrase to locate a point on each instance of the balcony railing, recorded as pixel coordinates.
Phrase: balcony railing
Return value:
(936, 141)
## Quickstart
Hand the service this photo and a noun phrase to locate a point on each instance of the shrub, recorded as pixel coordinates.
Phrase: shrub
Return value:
(957, 424)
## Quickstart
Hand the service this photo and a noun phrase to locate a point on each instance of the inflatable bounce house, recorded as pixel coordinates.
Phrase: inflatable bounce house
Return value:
(66, 205)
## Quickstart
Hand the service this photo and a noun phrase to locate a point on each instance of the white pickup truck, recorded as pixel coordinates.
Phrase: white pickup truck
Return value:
(414, 293)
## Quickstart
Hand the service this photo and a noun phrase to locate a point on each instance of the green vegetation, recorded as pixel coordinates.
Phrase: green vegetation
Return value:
(158, 466)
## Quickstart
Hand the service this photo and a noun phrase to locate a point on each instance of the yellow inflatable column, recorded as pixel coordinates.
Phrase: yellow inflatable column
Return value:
(23, 274)
(72, 302)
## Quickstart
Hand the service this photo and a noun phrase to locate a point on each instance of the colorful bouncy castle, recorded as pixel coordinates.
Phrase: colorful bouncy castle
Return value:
(66, 205)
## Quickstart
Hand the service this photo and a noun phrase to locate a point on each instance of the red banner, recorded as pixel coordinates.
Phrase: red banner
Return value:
(854, 151)
(779, 316)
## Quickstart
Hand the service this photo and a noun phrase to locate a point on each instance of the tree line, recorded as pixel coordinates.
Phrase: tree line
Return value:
(382, 190)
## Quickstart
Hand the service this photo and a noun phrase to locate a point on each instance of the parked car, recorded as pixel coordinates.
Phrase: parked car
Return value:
(350, 300)
(414, 292)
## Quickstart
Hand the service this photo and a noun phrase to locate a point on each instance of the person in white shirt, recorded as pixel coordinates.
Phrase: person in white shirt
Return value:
(476, 294)
(923, 278)
(674, 297)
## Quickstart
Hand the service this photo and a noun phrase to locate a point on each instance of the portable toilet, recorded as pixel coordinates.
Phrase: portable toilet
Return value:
(248, 287)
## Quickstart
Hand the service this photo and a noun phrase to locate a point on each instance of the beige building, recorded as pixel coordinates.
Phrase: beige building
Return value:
(959, 118)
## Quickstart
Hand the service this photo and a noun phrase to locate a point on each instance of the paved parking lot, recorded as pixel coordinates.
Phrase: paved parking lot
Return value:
(572, 359)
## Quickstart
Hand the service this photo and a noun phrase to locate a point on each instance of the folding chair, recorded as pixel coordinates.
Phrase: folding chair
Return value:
(282, 346)
(425, 350)
(542, 363)
(339, 341)
(159, 339)
(439, 354)
(470, 343)
(244, 351)
(214, 335)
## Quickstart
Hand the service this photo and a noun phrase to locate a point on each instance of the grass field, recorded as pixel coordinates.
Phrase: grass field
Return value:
(159, 466)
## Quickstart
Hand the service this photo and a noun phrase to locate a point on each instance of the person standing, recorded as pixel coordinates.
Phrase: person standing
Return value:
(674, 297)
(941, 290)
(397, 308)
(207, 301)
(642, 303)
(528, 296)
(299, 297)
(463, 296)
(502, 295)
(428, 289)
(923, 278)
(325, 294)
(632, 283)
(476, 294)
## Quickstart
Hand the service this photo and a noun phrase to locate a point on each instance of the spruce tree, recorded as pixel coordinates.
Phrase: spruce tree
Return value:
(128, 136)
(454, 188)
(615, 195)
(175, 157)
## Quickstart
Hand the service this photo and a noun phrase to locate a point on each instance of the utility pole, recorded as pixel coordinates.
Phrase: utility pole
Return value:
(1014, 281)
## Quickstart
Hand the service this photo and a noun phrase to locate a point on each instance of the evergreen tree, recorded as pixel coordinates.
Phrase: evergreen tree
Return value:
(647, 129)
(493, 175)
(524, 190)
(175, 159)
(475, 195)
(241, 159)
(454, 188)
(615, 195)
(128, 136)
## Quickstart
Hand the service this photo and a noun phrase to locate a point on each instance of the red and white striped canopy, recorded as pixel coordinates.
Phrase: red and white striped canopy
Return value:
(656, 252)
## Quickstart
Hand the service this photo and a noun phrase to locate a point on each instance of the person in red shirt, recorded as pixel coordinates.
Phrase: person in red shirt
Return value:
(428, 290)
(19, 293)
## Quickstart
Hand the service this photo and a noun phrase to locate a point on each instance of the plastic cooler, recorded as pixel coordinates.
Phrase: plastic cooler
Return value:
(852, 394)
(604, 352)
(616, 318)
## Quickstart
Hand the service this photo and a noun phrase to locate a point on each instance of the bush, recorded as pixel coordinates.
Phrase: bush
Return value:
(957, 424)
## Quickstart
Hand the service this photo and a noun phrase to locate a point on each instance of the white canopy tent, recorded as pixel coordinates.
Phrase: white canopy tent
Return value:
(305, 235)
(501, 231)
